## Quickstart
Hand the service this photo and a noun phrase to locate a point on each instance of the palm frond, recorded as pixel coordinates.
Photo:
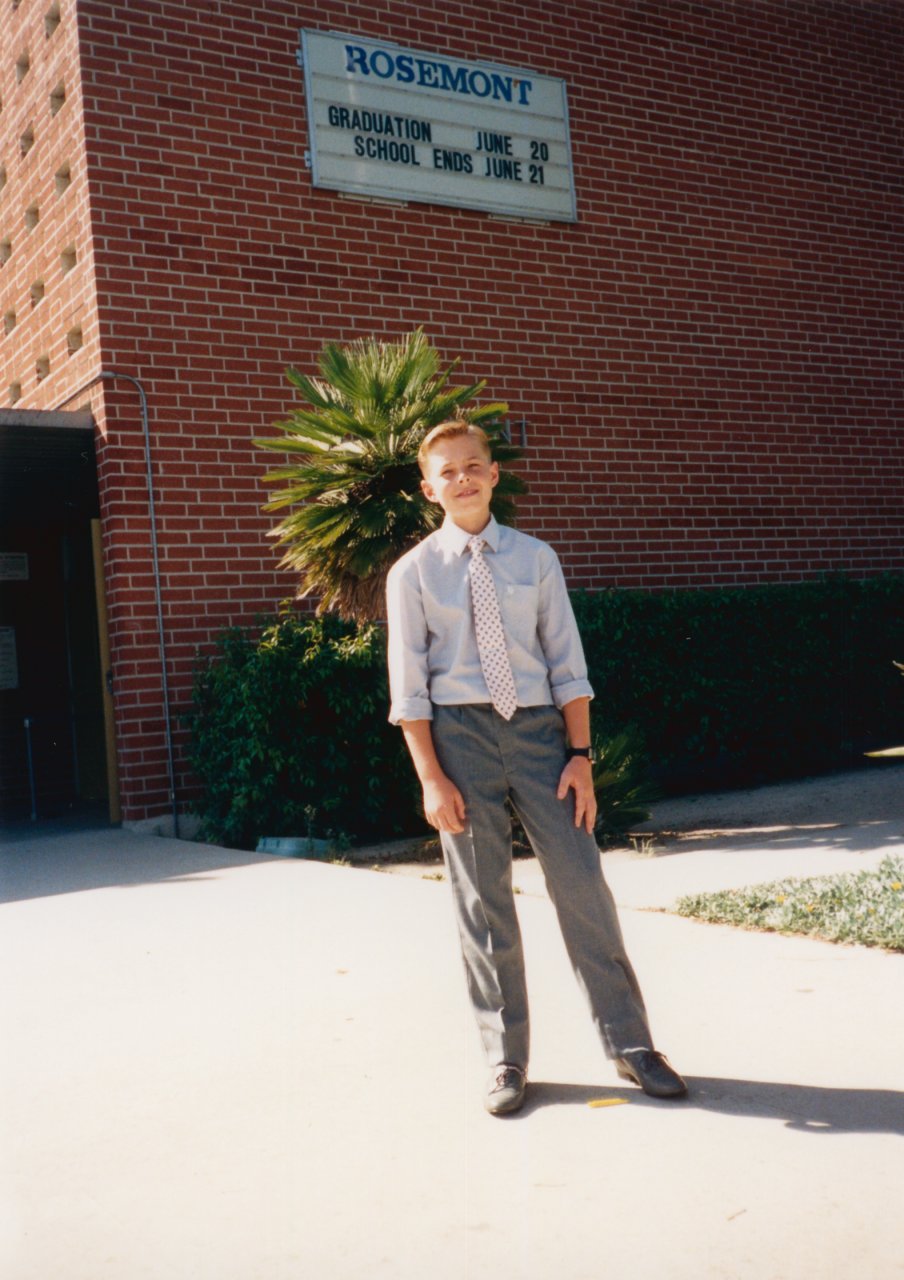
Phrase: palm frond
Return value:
(351, 480)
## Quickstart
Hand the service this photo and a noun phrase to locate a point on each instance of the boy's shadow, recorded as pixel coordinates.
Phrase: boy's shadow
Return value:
(809, 1108)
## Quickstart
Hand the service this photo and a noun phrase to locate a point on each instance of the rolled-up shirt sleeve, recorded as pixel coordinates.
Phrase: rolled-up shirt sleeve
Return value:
(409, 677)
(559, 635)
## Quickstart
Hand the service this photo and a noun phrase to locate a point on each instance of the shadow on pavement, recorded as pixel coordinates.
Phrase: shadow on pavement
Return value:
(47, 860)
(858, 810)
(861, 838)
(809, 1108)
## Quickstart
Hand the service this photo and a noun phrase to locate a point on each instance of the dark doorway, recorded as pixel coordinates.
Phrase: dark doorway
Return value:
(52, 732)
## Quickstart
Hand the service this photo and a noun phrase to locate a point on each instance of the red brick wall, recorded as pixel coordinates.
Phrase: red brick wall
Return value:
(709, 360)
(38, 58)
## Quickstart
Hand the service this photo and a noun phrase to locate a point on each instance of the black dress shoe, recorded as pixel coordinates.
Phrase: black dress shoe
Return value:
(651, 1070)
(507, 1089)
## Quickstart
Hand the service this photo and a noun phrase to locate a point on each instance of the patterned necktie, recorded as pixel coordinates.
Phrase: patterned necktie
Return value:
(494, 660)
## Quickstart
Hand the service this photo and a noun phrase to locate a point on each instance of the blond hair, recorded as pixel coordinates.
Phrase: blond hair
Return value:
(451, 430)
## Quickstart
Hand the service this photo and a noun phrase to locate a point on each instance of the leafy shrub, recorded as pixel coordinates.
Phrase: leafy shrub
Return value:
(694, 689)
(291, 723)
(890, 751)
(289, 736)
(622, 784)
(742, 685)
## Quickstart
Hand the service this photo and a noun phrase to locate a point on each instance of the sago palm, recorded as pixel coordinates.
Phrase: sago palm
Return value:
(352, 482)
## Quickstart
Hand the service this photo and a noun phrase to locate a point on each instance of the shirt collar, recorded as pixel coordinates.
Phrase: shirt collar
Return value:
(455, 539)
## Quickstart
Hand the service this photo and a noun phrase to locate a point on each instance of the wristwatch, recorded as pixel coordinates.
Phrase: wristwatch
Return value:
(587, 752)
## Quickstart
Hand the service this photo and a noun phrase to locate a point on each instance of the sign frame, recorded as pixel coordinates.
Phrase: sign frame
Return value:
(13, 566)
(514, 180)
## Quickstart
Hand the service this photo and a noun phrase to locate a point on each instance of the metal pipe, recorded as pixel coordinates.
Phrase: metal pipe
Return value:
(106, 680)
(110, 374)
(31, 770)
(66, 548)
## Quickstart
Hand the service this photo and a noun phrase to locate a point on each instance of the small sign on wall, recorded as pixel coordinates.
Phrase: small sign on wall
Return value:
(408, 125)
(13, 566)
(9, 667)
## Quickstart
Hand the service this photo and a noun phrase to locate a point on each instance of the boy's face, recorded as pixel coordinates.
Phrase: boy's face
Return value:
(461, 478)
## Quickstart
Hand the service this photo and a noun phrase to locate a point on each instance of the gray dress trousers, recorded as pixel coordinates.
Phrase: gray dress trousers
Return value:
(490, 759)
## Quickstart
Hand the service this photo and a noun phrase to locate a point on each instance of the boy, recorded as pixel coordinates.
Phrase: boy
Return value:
(489, 684)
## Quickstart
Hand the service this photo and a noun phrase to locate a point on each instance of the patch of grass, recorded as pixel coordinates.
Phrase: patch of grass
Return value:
(862, 907)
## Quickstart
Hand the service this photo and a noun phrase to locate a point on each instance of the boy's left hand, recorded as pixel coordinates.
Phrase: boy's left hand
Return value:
(577, 776)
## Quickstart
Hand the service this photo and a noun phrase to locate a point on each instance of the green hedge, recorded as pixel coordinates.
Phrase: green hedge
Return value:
(726, 687)
(289, 735)
(742, 685)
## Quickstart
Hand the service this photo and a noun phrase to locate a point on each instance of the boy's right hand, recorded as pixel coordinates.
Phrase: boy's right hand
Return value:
(444, 805)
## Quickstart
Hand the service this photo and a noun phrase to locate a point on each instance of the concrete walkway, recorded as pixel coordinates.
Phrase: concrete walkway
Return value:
(222, 1066)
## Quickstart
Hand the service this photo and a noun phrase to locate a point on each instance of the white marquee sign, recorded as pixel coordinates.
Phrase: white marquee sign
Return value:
(408, 125)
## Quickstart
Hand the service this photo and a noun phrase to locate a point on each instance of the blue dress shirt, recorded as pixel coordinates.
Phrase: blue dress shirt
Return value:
(433, 654)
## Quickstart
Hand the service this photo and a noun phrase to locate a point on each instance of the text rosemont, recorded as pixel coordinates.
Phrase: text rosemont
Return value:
(432, 74)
